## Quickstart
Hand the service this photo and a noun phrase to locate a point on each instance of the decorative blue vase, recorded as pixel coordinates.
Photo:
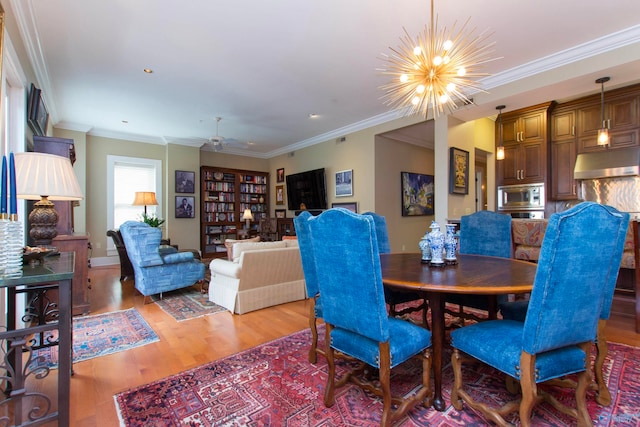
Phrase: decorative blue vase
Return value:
(423, 244)
(436, 244)
(450, 244)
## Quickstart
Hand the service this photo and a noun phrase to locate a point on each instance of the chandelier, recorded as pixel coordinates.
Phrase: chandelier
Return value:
(436, 71)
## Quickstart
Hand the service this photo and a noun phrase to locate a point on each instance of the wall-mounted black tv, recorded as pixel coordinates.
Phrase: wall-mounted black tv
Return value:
(308, 189)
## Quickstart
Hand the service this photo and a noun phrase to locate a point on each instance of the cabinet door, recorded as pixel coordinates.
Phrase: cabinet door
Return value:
(533, 126)
(533, 162)
(563, 125)
(563, 161)
(510, 132)
(510, 166)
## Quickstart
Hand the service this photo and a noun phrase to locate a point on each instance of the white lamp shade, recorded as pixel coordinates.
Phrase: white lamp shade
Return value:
(41, 174)
(247, 215)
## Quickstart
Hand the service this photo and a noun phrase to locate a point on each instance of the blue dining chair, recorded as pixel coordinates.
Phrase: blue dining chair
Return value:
(391, 296)
(482, 233)
(355, 313)
(582, 248)
(517, 310)
(310, 279)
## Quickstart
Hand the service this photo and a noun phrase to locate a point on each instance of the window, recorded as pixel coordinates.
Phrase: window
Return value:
(125, 176)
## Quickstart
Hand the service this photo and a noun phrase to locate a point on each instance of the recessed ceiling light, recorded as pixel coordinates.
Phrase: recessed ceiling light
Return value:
(125, 121)
(148, 70)
(313, 115)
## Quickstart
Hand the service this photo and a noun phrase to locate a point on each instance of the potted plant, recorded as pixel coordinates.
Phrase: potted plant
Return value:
(152, 220)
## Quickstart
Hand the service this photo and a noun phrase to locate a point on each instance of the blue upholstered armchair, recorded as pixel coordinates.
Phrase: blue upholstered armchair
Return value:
(156, 270)
(581, 250)
(393, 297)
(349, 275)
(482, 233)
(310, 279)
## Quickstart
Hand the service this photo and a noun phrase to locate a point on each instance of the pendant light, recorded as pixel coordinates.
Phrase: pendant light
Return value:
(500, 150)
(603, 133)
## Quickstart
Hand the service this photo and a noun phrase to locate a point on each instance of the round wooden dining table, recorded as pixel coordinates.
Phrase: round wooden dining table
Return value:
(472, 274)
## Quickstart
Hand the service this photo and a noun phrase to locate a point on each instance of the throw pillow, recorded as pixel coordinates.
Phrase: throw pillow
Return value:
(228, 243)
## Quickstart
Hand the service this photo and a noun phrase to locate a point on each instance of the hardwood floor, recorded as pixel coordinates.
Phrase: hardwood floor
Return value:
(182, 346)
(185, 345)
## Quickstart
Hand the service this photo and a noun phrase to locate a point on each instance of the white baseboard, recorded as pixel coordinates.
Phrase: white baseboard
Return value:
(105, 261)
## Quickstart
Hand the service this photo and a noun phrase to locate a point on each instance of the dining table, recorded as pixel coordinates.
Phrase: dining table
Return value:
(470, 275)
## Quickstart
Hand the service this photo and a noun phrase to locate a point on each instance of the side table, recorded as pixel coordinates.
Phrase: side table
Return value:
(55, 272)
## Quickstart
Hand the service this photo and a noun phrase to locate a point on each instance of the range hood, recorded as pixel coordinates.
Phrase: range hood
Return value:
(607, 164)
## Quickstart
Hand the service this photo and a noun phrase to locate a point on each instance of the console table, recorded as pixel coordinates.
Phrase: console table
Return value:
(22, 374)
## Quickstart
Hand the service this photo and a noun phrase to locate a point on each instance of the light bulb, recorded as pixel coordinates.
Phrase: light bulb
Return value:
(443, 98)
(437, 60)
(603, 136)
(417, 50)
(447, 45)
(404, 78)
(462, 71)
(451, 87)
(500, 153)
(420, 89)
(415, 100)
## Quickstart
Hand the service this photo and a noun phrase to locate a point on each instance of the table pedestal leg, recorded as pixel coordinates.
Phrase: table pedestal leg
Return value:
(436, 301)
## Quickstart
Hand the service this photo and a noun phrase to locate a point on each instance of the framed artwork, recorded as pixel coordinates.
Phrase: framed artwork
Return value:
(353, 206)
(344, 183)
(417, 194)
(184, 207)
(38, 116)
(279, 194)
(458, 171)
(280, 175)
(185, 182)
(281, 213)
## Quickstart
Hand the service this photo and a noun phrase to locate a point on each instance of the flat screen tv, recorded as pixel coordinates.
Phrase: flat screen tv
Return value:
(308, 189)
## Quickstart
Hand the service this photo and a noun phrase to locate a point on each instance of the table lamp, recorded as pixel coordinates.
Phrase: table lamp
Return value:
(144, 198)
(247, 216)
(45, 177)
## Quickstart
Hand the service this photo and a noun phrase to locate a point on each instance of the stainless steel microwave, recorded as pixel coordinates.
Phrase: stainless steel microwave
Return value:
(525, 197)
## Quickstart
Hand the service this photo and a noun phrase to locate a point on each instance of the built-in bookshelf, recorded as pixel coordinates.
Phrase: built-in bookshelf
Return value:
(226, 193)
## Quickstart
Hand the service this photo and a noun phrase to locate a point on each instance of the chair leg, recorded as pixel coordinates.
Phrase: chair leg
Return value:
(329, 392)
(385, 383)
(584, 380)
(456, 365)
(529, 388)
(313, 355)
(604, 396)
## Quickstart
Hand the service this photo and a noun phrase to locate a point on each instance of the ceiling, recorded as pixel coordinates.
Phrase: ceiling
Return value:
(263, 67)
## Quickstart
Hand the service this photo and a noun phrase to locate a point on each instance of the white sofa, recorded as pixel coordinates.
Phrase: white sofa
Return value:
(261, 274)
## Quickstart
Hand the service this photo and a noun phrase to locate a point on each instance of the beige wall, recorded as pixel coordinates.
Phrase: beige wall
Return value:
(376, 163)
(392, 158)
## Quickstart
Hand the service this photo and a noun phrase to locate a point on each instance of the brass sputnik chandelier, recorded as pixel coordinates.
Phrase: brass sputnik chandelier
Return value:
(436, 70)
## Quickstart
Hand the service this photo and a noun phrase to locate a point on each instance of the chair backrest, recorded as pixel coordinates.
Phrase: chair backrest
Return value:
(581, 251)
(142, 242)
(349, 275)
(486, 233)
(382, 234)
(301, 224)
(610, 285)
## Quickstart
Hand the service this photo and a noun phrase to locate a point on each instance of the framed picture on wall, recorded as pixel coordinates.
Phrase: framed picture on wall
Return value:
(458, 171)
(280, 175)
(352, 206)
(281, 213)
(185, 182)
(184, 207)
(417, 194)
(344, 183)
(279, 194)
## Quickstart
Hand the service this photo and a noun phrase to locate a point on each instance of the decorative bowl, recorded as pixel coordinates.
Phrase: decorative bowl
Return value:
(35, 255)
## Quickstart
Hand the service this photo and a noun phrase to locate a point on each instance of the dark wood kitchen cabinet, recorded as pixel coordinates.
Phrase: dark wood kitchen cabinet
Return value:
(564, 150)
(525, 138)
(621, 116)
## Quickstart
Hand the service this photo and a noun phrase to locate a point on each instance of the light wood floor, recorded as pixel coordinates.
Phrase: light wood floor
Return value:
(185, 345)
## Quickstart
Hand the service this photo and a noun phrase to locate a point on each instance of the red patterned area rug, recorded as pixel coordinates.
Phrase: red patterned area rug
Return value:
(275, 385)
(187, 303)
(102, 334)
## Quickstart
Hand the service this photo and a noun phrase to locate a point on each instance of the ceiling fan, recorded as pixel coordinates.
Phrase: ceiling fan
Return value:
(218, 142)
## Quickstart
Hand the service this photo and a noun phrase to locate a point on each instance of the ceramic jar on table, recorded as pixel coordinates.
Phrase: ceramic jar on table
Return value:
(436, 244)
